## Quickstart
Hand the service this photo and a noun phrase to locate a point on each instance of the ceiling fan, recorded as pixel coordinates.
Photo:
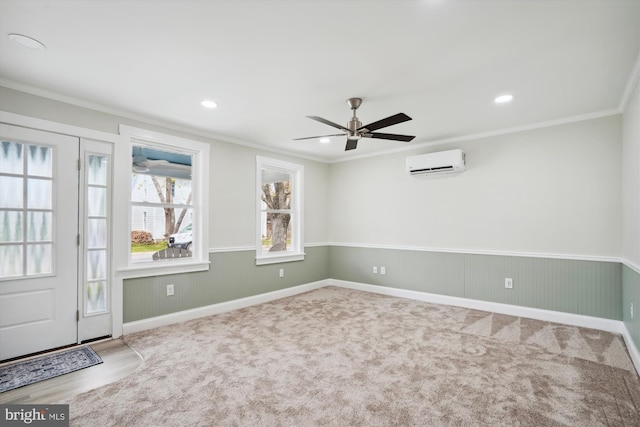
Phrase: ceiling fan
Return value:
(354, 130)
(141, 164)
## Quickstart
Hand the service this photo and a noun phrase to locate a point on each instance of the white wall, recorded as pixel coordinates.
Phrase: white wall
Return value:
(232, 188)
(554, 190)
(631, 179)
(233, 196)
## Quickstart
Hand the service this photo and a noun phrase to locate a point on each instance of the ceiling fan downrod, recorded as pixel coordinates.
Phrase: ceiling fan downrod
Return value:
(354, 124)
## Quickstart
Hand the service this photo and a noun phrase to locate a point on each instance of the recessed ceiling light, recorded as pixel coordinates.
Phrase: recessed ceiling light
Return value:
(503, 99)
(27, 42)
(208, 104)
(325, 140)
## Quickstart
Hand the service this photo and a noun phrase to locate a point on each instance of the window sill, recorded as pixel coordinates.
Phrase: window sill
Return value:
(275, 259)
(147, 270)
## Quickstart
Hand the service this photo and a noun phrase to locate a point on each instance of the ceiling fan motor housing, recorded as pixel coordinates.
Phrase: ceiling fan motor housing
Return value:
(354, 124)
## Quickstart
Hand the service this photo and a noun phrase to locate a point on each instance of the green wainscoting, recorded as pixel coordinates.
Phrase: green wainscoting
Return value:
(591, 288)
(631, 293)
(433, 272)
(232, 275)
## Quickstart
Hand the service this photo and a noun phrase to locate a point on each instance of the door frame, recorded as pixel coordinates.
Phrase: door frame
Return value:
(118, 142)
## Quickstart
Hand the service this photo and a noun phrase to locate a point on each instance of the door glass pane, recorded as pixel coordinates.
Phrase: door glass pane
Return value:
(39, 259)
(10, 226)
(97, 173)
(11, 257)
(11, 195)
(96, 297)
(39, 193)
(31, 223)
(39, 160)
(39, 226)
(97, 201)
(97, 233)
(11, 158)
(96, 265)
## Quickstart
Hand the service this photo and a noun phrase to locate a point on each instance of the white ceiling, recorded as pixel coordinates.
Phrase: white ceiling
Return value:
(269, 64)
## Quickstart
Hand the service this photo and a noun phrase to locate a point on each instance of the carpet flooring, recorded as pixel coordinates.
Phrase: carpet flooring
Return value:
(339, 357)
(20, 374)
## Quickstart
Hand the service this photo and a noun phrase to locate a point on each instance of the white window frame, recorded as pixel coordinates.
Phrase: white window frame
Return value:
(297, 204)
(200, 153)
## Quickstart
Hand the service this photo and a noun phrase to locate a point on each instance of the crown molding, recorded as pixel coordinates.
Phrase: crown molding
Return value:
(497, 132)
(632, 81)
(427, 144)
(193, 132)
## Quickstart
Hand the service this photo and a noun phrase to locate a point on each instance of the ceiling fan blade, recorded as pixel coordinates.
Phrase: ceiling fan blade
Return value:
(392, 136)
(139, 159)
(327, 122)
(320, 136)
(389, 121)
(351, 144)
(155, 162)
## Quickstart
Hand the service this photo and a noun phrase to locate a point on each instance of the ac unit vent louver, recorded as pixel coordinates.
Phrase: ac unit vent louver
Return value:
(450, 161)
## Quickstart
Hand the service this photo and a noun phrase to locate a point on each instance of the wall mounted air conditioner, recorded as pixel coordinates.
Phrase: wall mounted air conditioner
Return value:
(436, 163)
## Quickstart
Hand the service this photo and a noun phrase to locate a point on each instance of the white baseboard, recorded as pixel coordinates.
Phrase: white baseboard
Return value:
(632, 349)
(195, 313)
(608, 325)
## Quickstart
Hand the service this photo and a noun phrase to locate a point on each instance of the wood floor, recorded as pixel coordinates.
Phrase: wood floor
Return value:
(119, 360)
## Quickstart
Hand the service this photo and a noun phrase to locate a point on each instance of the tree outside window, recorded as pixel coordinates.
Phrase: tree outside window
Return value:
(161, 201)
(279, 216)
(276, 232)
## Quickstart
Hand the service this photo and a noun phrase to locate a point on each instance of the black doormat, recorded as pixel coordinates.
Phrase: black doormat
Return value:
(32, 371)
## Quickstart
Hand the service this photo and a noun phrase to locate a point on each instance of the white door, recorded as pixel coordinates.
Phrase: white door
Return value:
(38, 241)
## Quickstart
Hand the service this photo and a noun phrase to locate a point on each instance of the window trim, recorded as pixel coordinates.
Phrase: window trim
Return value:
(200, 204)
(297, 208)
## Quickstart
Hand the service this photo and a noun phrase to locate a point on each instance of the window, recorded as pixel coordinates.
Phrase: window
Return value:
(26, 209)
(161, 204)
(279, 211)
(168, 210)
